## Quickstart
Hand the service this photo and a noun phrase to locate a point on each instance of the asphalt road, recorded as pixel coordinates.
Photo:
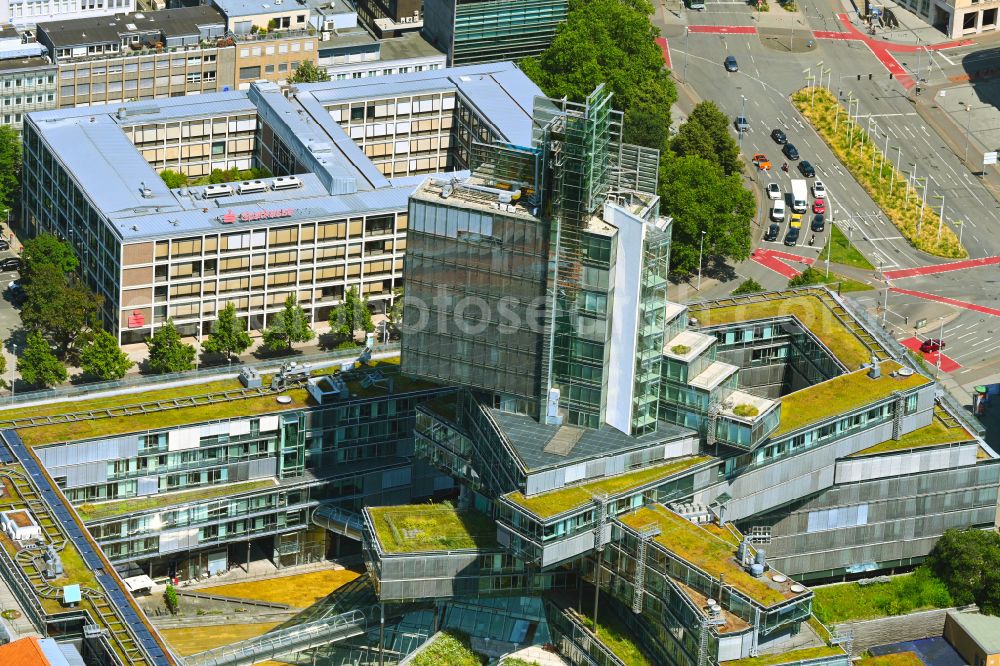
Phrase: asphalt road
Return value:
(769, 73)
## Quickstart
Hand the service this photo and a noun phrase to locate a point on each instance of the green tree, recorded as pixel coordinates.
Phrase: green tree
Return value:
(287, 327)
(308, 72)
(395, 313)
(3, 372)
(968, 561)
(167, 353)
(171, 600)
(59, 306)
(352, 314)
(46, 249)
(10, 166)
(38, 365)
(229, 334)
(103, 358)
(700, 197)
(809, 276)
(173, 179)
(748, 286)
(611, 42)
(706, 134)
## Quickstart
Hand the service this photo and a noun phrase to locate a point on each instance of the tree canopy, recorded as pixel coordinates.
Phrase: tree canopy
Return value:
(38, 366)
(351, 315)
(229, 334)
(173, 179)
(700, 197)
(287, 327)
(10, 165)
(308, 72)
(58, 306)
(103, 358)
(610, 42)
(968, 561)
(706, 134)
(167, 353)
(748, 286)
(46, 249)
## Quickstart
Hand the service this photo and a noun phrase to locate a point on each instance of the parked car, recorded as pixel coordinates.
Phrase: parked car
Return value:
(819, 206)
(790, 151)
(742, 124)
(932, 345)
(772, 232)
(761, 162)
(779, 137)
(4, 245)
(731, 64)
(819, 189)
(792, 237)
(10, 264)
(806, 169)
(16, 292)
(774, 191)
(818, 223)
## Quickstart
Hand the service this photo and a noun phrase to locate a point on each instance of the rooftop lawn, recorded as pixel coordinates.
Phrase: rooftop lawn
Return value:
(297, 590)
(191, 640)
(91, 512)
(615, 635)
(898, 659)
(554, 502)
(840, 395)
(421, 528)
(812, 312)
(935, 434)
(791, 657)
(903, 594)
(697, 546)
(447, 649)
(106, 427)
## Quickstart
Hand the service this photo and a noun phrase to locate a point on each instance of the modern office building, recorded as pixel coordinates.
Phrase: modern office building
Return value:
(345, 157)
(478, 31)
(390, 18)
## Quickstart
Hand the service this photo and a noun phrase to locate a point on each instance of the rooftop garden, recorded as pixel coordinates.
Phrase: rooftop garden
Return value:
(899, 595)
(840, 395)
(791, 657)
(100, 511)
(615, 635)
(809, 309)
(448, 648)
(897, 659)
(709, 553)
(421, 528)
(935, 434)
(552, 503)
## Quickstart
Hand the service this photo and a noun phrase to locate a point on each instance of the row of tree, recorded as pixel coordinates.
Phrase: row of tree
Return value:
(612, 42)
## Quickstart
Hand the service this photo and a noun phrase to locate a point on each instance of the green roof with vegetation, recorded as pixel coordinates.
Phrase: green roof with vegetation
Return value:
(937, 433)
(616, 637)
(841, 395)
(446, 649)
(897, 659)
(423, 528)
(902, 594)
(90, 512)
(554, 502)
(716, 557)
(809, 309)
(790, 657)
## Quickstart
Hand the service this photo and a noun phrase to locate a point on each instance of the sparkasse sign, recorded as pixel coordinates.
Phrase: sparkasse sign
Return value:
(250, 216)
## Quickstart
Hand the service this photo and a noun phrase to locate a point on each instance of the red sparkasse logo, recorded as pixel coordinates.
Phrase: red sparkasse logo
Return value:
(230, 217)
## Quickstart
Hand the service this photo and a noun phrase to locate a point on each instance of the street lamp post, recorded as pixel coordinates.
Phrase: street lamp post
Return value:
(968, 121)
(892, 181)
(687, 51)
(937, 371)
(13, 367)
(829, 248)
(701, 249)
(881, 162)
(961, 228)
(923, 201)
(940, 217)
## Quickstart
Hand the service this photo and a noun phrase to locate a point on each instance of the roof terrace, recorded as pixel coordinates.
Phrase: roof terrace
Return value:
(426, 528)
(943, 429)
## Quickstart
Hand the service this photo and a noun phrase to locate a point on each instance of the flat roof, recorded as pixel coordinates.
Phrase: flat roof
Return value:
(343, 39)
(425, 528)
(689, 345)
(711, 377)
(943, 429)
(33, 63)
(695, 545)
(737, 398)
(406, 46)
(340, 180)
(554, 502)
(983, 629)
(235, 8)
(842, 395)
(179, 22)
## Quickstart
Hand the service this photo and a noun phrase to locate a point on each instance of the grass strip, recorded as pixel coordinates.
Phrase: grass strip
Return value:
(852, 145)
(842, 251)
(903, 594)
(91, 512)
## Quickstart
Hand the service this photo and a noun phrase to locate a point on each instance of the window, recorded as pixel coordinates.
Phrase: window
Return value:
(249, 73)
(269, 69)
(218, 148)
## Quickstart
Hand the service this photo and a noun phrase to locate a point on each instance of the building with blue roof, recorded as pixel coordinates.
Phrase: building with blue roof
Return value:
(341, 161)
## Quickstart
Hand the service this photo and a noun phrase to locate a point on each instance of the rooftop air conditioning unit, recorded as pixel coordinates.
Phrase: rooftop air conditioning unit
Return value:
(213, 191)
(286, 183)
(252, 186)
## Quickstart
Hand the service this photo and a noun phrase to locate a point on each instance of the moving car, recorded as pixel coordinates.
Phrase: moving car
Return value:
(790, 151)
(819, 189)
(779, 137)
(731, 64)
(818, 223)
(819, 206)
(932, 345)
(792, 237)
(806, 169)
(778, 212)
(742, 124)
(774, 191)
(760, 159)
(796, 222)
(772, 232)
(10, 264)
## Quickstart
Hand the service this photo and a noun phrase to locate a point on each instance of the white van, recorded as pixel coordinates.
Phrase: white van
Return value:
(778, 212)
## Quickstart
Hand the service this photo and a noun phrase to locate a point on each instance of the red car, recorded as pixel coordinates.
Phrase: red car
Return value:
(819, 206)
(931, 345)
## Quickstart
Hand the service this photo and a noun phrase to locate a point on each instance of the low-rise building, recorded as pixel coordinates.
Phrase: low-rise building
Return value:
(390, 18)
(357, 56)
(976, 637)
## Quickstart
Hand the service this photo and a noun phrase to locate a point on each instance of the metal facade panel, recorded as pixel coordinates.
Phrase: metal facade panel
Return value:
(182, 439)
(553, 553)
(147, 485)
(263, 468)
(269, 423)
(239, 427)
